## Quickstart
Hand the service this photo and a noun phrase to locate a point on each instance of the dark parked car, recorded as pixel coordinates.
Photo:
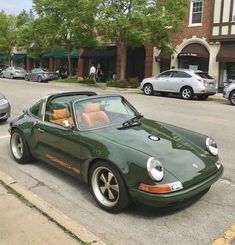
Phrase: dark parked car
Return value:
(106, 142)
(5, 108)
(41, 75)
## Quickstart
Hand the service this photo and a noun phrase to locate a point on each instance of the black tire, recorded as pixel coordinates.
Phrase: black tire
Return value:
(11, 76)
(19, 147)
(232, 97)
(110, 194)
(26, 78)
(148, 89)
(202, 97)
(39, 79)
(186, 93)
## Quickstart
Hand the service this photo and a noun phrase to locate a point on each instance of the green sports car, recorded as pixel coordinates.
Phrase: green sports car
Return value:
(104, 141)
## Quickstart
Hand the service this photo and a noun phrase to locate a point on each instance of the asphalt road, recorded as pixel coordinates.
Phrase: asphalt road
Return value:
(200, 223)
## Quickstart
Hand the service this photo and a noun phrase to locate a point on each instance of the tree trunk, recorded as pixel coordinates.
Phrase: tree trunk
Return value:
(122, 47)
(69, 63)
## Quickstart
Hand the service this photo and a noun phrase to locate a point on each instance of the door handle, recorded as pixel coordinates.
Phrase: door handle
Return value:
(41, 130)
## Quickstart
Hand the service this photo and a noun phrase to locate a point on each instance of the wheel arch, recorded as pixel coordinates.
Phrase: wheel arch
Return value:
(232, 91)
(186, 86)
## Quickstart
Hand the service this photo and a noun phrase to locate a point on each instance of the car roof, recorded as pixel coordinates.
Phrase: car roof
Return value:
(54, 95)
(187, 70)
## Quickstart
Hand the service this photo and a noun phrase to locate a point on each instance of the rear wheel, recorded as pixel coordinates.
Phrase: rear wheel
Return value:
(186, 93)
(232, 97)
(148, 89)
(12, 76)
(19, 147)
(108, 187)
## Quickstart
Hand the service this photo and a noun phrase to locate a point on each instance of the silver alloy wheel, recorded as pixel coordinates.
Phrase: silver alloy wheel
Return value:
(186, 93)
(12, 76)
(232, 98)
(148, 89)
(17, 146)
(39, 79)
(105, 186)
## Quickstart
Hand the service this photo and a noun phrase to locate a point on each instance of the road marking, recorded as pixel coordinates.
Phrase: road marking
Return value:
(227, 238)
(4, 137)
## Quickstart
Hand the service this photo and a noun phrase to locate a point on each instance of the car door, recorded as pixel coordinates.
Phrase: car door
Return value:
(178, 80)
(161, 83)
(57, 144)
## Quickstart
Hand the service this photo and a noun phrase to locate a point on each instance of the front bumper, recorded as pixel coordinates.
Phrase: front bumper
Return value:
(5, 111)
(174, 198)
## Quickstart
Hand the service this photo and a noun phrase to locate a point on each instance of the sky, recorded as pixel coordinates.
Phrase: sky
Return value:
(15, 6)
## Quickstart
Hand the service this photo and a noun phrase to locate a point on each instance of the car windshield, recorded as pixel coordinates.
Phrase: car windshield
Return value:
(103, 111)
(203, 75)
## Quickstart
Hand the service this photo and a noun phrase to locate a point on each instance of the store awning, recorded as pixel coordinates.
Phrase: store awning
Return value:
(3, 57)
(61, 53)
(95, 53)
(194, 50)
(16, 57)
(163, 57)
(226, 53)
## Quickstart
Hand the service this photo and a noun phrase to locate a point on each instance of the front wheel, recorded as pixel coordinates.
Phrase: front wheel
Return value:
(232, 98)
(186, 93)
(108, 187)
(19, 147)
(39, 79)
(26, 78)
(148, 89)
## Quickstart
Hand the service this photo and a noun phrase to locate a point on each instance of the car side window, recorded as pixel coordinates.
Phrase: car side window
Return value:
(165, 74)
(58, 111)
(180, 74)
(36, 109)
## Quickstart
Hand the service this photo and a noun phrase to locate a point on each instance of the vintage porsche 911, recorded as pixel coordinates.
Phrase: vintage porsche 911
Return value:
(104, 141)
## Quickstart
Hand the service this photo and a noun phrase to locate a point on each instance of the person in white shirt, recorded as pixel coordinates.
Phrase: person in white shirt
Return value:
(92, 72)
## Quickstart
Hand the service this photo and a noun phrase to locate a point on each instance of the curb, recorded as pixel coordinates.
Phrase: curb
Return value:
(72, 227)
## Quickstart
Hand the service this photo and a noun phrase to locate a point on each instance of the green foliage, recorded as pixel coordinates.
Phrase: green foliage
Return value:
(87, 81)
(8, 32)
(133, 82)
(112, 83)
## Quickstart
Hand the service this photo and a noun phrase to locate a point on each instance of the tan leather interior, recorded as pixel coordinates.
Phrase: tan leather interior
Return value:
(58, 116)
(93, 116)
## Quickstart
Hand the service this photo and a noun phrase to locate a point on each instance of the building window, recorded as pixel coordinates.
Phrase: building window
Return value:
(196, 12)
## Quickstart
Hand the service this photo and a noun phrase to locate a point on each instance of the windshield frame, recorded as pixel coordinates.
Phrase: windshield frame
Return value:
(136, 112)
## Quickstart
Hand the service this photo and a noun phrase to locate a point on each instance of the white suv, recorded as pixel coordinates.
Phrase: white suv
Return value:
(185, 82)
(229, 92)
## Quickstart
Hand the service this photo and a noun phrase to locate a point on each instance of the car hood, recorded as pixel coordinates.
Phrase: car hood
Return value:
(180, 156)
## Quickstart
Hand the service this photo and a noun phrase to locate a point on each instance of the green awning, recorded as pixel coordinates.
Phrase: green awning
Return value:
(3, 57)
(61, 53)
(16, 57)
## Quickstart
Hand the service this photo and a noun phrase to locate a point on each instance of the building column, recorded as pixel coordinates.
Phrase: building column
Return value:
(213, 64)
(149, 53)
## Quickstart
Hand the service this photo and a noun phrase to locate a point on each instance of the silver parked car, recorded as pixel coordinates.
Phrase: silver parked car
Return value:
(5, 108)
(229, 92)
(185, 82)
(13, 72)
(41, 75)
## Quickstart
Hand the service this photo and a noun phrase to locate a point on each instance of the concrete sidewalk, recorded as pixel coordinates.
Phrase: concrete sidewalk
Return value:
(27, 219)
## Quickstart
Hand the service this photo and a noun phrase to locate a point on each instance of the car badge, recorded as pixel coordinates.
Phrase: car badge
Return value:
(154, 138)
(195, 166)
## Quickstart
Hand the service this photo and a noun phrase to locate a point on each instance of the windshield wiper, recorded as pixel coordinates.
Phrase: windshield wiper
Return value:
(133, 121)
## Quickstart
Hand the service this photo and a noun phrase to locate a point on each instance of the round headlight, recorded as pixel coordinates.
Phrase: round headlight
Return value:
(155, 169)
(212, 146)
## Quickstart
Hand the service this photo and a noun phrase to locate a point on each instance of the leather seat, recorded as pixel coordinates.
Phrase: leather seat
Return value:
(93, 116)
(58, 116)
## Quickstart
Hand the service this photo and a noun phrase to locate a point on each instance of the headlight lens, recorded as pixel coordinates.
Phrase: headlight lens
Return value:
(155, 169)
(3, 101)
(212, 146)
